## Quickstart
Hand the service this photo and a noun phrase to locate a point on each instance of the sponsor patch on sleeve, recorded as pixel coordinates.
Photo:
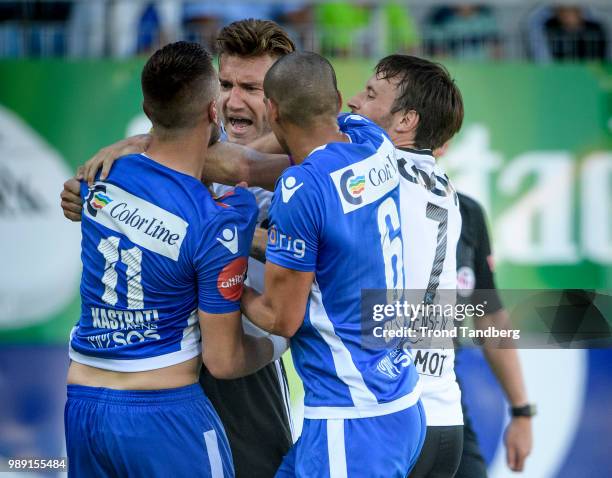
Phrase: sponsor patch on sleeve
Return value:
(231, 279)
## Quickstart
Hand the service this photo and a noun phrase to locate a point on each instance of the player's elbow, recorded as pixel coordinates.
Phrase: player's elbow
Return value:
(221, 368)
(285, 328)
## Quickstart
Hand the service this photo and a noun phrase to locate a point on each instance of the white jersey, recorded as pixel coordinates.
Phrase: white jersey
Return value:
(431, 226)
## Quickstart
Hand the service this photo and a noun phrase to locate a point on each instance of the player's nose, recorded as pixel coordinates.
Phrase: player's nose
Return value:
(353, 103)
(234, 99)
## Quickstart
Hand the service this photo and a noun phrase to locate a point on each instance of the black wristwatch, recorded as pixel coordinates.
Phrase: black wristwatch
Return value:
(528, 410)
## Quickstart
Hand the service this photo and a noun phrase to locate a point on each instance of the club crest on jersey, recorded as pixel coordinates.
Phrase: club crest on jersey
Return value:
(229, 239)
(97, 199)
(386, 367)
(289, 188)
(466, 281)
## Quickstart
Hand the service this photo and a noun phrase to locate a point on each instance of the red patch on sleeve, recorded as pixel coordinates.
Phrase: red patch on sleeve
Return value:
(231, 279)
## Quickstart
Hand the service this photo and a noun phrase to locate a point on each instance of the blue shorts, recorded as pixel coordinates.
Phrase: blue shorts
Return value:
(148, 433)
(379, 447)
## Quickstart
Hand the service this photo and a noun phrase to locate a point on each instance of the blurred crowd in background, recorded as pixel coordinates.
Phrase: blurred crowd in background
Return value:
(493, 30)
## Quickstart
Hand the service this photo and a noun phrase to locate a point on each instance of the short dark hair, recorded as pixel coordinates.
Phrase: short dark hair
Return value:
(427, 88)
(251, 38)
(178, 83)
(303, 85)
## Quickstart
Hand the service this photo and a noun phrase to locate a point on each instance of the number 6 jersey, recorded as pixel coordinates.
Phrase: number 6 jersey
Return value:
(337, 215)
(155, 248)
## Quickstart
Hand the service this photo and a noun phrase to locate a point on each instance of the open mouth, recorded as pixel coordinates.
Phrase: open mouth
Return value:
(240, 123)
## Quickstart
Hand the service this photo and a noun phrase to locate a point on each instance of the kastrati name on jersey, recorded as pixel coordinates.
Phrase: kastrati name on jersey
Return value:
(368, 180)
(122, 319)
(126, 326)
(141, 221)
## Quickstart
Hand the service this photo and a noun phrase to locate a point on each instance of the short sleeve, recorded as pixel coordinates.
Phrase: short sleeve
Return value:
(296, 218)
(221, 260)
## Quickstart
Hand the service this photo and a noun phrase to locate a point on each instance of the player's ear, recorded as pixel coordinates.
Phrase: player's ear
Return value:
(408, 123)
(213, 117)
(272, 109)
(339, 103)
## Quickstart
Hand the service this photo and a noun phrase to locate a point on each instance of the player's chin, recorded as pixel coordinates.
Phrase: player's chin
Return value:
(242, 134)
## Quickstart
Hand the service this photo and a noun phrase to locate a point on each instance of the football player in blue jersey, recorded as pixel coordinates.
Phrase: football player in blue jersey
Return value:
(334, 231)
(163, 271)
(246, 48)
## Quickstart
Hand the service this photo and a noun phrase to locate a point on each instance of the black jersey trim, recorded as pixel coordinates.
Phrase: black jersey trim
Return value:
(422, 152)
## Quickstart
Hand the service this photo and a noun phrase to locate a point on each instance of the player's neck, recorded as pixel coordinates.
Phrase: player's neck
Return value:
(302, 141)
(182, 153)
(402, 141)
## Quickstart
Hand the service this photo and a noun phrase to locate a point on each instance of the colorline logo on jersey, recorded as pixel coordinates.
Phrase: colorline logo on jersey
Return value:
(289, 188)
(144, 223)
(231, 279)
(229, 239)
(356, 185)
(97, 199)
(368, 180)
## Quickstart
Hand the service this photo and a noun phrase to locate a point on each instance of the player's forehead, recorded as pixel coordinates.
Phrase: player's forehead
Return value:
(240, 69)
(381, 85)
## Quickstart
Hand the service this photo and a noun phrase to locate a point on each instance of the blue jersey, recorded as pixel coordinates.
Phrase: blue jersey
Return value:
(156, 248)
(337, 215)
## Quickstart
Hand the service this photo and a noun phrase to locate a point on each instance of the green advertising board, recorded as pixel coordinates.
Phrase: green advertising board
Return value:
(535, 149)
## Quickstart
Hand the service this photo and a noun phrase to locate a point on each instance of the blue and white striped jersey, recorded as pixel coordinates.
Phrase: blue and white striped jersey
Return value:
(337, 215)
(156, 248)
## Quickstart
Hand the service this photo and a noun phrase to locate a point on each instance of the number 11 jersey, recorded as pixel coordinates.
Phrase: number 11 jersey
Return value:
(156, 247)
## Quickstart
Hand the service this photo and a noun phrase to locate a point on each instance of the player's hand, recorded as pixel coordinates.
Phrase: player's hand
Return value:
(518, 442)
(72, 205)
(105, 158)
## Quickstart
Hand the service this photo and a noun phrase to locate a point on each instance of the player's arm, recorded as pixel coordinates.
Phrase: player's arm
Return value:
(506, 366)
(220, 262)
(227, 351)
(296, 222)
(72, 204)
(504, 362)
(267, 144)
(280, 309)
(258, 248)
(103, 160)
(229, 163)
